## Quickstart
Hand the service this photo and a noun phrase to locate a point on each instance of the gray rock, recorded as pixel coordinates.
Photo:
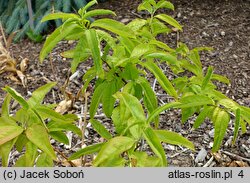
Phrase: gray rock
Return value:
(201, 156)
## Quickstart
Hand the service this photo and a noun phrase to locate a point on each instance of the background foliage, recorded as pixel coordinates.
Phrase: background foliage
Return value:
(14, 14)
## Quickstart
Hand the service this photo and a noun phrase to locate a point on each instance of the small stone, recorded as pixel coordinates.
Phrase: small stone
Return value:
(124, 20)
(222, 33)
(235, 56)
(211, 144)
(179, 15)
(204, 34)
(201, 155)
(211, 133)
(230, 43)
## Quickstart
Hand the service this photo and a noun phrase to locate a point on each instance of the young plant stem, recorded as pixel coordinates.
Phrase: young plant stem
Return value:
(83, 124)
(70, 162)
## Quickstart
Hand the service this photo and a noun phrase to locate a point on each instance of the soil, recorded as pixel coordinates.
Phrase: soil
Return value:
(223, 25)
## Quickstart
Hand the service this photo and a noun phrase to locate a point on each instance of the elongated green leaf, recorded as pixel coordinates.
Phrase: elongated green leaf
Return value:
(5, 106)
(161, 78)
(202, 116)
(158, 110)
(161, 45)
(186, 113)
(112, 148)
(140, 50)
(38, 135)
(39, 94)
(101, 130)
(236, 125)
(150, 99)
(155, 144)
(9, 132)
(145, 6)
(28, 159)
(229, 104)
(207, 78)
(195, 101)
(245, 113)
(173, 138)
(115, 161)
(98, 93)
(164, 4)
(120, 124)
(21, 142)
(195, 58)
(220, 78)
(44, 161)
(220, 119)
(113, 26)
(60, 137)
(136, 24)
(17, 96)
(59, 15)
(87, 150)
(5, 151)
(55, 126)
(94, 46)
(163, 57)
(107, 37)
(108, 100)
(168, 19)
(133, 104)
(83, 10)
(59, 34)
(143, 160)
(45, 112)
(97, 12)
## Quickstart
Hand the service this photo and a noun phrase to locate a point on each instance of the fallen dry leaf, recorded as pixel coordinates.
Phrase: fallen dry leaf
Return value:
(24, 65)
(63, 106)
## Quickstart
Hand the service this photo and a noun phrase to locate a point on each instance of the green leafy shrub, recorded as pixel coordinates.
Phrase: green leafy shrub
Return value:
(31, 128)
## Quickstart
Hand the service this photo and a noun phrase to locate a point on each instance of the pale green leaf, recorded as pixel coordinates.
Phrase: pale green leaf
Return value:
(207, 78)
(155, 144)
(173, 138)
(60, 15)
(39, 94)
(97, 12)
(59, 34)
(6, 105)
(94, 46)
(87, 150)
(5, 151)
(202, 116)
(44, 161)
(168, 19)
(17, 96)
(112, 148)
(220, 78)
(161, 78)
(113, 26)
(98, 93)
(38, 135)
(164, 4)
(101, 130)
(9, 132)
(133, 104)
(220, 119)
(60, 137)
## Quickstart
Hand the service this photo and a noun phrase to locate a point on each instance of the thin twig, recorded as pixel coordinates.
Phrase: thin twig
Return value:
(84, 124)
(2, 32)
(209, 162)
(52, 67)
(70, 162)
(235, 156)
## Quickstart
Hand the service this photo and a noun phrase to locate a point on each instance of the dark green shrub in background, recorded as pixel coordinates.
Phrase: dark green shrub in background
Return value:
(14, 15)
